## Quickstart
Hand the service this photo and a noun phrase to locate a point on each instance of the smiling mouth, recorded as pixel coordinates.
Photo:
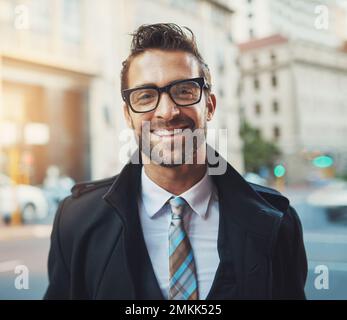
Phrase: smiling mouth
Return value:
(167, 133)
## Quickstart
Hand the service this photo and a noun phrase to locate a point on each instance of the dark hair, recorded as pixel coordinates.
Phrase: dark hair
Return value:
(163, 36)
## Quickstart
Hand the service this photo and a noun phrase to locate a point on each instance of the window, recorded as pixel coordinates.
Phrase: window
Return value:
(7, 8)
(221, 92)
(218, 16)
(251, 33)
(257, 109)
(72, 10)
(239, 88)
(275, 107)
(276, 132)
(274, 81)
(220, 63)
(256, 83)
(273, 58)
(237, 61)
(41, 16)
(186, 5)
(255, 62)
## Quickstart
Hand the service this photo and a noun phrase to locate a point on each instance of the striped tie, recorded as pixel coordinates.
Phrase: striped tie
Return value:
(183, 280)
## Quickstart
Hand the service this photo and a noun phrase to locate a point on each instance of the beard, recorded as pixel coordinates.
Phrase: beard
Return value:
(181, 147)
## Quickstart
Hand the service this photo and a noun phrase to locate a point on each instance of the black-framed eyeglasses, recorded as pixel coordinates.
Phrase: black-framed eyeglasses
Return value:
(182, 92)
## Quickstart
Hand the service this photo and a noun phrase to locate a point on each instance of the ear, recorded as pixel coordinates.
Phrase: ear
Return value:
(127, 116)
(211, 106)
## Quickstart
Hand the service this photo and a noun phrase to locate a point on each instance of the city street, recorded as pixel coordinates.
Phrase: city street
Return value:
(263, 80)
(325, 242)
(31, 252)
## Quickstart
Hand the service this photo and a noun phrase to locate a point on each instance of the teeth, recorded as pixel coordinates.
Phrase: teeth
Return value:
(166, 132)
(163, 132)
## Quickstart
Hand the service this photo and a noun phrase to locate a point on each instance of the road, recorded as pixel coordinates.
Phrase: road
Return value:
(325, 243)
(24, 245)
(31, 252)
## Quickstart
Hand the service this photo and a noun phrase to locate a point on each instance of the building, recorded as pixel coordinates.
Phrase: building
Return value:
(294, 93)
(320, 21)
(60, 63)
(46, 72)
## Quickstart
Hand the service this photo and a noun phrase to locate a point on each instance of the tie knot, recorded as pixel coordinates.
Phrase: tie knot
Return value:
(177, 205)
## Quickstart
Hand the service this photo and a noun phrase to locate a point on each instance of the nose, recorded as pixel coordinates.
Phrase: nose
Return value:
(166, 109)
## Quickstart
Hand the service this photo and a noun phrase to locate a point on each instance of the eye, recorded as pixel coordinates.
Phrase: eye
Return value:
(184, 90)
(145, 96)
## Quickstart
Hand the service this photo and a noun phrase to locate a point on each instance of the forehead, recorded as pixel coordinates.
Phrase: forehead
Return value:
(160, 67)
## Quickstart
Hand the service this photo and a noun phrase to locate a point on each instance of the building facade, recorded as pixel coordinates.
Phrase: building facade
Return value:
(319, 21)
(46, 75)
(60, 65)
(293, 93)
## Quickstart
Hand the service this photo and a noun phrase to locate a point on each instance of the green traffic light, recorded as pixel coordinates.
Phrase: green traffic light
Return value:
(279, 171)
(323, 161)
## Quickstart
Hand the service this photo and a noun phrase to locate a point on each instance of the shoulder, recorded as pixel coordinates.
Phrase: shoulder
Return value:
(88, 196)
(267, 191)
(272, 196)
(291, 228)
(81, 188)
(82, 215)
(85, 206)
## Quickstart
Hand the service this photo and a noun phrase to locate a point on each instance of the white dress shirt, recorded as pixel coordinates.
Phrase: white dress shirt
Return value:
(201, 222)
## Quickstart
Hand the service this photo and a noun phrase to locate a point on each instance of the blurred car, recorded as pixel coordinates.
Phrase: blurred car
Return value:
(332, 197)
(255, 178)
(31, 200)
(56, 187)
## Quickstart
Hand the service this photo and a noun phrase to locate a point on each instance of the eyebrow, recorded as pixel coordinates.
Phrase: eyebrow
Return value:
(154, 85)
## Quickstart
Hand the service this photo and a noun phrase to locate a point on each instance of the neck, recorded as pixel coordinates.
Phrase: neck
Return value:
(175, 180)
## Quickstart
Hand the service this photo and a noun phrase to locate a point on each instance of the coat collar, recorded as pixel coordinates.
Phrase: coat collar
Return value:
(248, 208)
(248, 231)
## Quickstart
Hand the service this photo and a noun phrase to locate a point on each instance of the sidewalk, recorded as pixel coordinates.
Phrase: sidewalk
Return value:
(24, 232)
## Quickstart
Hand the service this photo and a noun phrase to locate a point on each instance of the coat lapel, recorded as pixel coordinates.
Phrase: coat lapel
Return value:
(247, 233)
(248, 228)
(122, 196)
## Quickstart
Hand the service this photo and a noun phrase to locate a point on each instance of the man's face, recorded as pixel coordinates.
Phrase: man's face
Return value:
(160, 68)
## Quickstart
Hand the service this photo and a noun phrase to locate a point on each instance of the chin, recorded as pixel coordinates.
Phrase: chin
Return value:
(164, 155)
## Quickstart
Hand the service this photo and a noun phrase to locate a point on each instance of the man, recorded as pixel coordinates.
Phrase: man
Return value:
(165, 228)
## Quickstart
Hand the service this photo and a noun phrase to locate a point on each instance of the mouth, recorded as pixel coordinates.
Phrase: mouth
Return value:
(169, 132)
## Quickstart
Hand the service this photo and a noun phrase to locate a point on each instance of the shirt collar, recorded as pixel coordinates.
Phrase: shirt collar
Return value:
(154, 197)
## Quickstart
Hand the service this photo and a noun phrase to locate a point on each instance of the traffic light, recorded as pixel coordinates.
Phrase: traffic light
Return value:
(279, 171)
(323, 161)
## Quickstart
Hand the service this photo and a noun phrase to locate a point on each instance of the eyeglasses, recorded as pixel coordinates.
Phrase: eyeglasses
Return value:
(182, 92)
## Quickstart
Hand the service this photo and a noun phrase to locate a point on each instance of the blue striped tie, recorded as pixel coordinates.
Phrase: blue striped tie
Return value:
(183, 279)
